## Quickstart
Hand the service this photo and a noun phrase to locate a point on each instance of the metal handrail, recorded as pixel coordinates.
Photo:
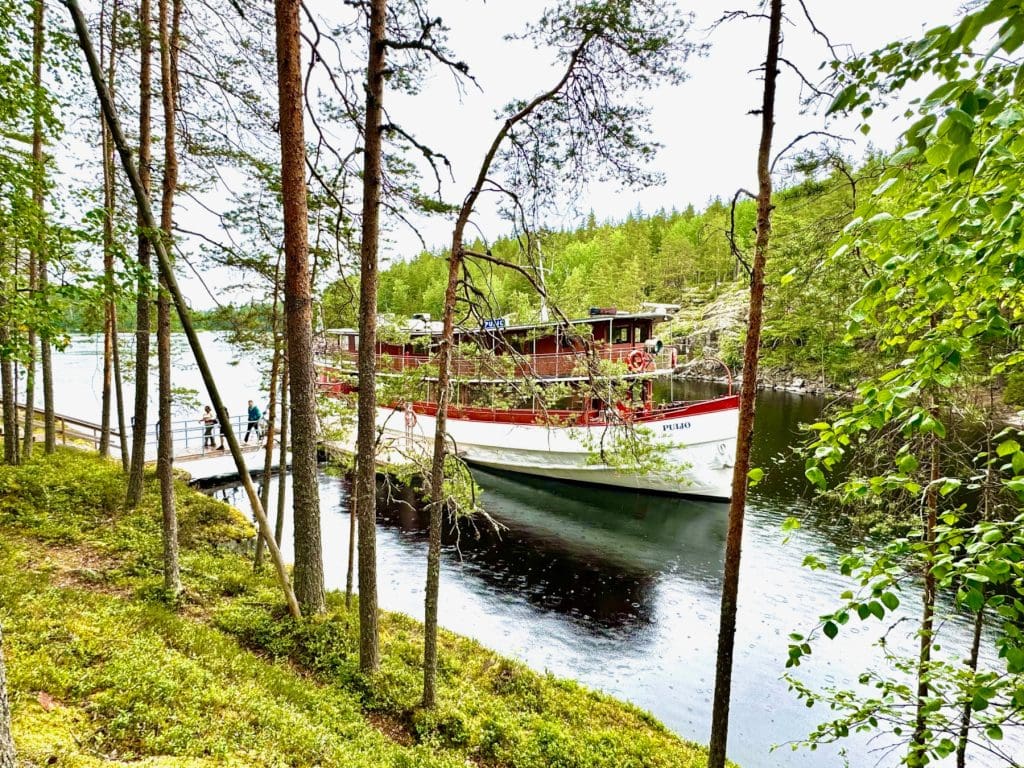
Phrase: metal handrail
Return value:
(193, 432)
(185, 433)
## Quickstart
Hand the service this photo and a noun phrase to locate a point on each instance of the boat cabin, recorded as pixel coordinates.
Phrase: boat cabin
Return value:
(497, 351)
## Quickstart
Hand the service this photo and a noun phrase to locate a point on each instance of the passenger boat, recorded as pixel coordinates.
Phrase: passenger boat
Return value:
(570, 401)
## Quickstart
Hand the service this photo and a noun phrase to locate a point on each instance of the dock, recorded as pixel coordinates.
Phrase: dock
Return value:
(206, 465)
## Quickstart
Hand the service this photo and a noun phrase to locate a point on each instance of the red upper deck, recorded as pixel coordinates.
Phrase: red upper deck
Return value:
(545, 350)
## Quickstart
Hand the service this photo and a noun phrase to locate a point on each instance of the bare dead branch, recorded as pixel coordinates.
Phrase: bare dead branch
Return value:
(801, 137)
(731, 234)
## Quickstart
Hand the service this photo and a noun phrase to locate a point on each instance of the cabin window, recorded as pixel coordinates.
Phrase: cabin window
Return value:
(622, 334)
(643, 333)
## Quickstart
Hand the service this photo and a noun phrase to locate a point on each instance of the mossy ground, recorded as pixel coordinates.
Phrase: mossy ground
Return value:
(104, 670)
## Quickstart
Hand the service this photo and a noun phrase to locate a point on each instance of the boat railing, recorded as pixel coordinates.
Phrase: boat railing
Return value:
(540, 365)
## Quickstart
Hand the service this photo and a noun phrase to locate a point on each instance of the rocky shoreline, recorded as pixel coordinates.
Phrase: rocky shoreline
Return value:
(796, 386)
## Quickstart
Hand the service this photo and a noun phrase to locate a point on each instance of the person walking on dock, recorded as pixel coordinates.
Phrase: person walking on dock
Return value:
(254, 422)
(223, 431)
(209, 419)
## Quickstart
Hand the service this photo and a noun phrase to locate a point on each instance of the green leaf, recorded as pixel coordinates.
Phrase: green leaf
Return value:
(830, 629)
(816, 476)
(890, 601)
(948, 486)
(843, 100)
(974, 599)
(1007, 447)
(907, 463)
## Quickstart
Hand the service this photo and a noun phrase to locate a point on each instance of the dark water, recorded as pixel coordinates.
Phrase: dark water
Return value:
(621, 591)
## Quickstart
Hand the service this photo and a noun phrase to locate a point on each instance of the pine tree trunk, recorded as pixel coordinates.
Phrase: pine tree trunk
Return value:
(282, 465)
(308, 573)
(366, 420)
(268, 450)
(30, 371)
(136, 474)
(46, 359)
(46, 350)
(7, 386)
(165, 448)
(37, 261)
(353, 531)
(438, 504)
(8, 759)
(748, 395)
(122, 429)
(167, 273)
(108, 248)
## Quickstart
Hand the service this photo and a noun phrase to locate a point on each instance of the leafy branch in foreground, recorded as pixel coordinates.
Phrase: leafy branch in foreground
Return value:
(947, 301)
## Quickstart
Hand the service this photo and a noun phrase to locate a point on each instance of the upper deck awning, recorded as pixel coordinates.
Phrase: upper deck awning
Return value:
(552, 327)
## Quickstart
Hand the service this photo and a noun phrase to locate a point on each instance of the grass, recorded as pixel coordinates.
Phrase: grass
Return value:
(104, 670)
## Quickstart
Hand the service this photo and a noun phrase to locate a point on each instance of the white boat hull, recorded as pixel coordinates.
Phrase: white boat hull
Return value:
(697, 451)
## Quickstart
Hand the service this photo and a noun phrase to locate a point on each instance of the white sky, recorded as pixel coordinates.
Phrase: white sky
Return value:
(709, 139)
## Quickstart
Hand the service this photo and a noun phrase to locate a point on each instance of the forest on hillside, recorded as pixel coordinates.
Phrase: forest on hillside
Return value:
(679, 257)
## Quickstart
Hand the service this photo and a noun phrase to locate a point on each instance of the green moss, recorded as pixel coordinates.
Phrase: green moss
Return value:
(224, 677)
(1014, 392)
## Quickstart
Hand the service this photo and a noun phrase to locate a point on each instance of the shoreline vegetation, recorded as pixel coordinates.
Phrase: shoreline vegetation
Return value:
(105, 670)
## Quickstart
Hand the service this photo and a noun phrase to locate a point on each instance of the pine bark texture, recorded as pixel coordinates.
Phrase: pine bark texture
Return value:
(298, 301)
(268, 449)
(37, 260)
(136, 473)
(106, 402)
(167, 273)
(7, 386)
(366, 419)
(8, 758)
(282, 464)
(353, 531)
(46, 369)
(748, 395)
(122, 430)
(165, 449)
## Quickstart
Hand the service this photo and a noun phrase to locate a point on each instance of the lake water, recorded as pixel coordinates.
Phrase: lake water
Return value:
(616, 589)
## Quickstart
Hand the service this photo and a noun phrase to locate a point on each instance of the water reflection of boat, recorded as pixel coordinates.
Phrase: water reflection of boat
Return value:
(634, 531)
(595, 555)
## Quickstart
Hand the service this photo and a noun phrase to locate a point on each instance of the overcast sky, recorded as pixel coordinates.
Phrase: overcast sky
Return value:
(710, 140)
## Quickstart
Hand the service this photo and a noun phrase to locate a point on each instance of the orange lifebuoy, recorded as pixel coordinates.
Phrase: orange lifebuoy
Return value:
(637, 360)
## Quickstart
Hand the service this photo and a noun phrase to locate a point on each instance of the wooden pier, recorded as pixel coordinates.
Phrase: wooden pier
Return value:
(206, 464)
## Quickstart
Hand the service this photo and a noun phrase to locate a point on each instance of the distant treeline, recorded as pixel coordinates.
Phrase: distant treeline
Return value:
(88, 318)
(671, 257)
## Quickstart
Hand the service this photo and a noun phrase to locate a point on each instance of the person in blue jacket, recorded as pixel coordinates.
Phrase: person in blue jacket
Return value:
(254, 422)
